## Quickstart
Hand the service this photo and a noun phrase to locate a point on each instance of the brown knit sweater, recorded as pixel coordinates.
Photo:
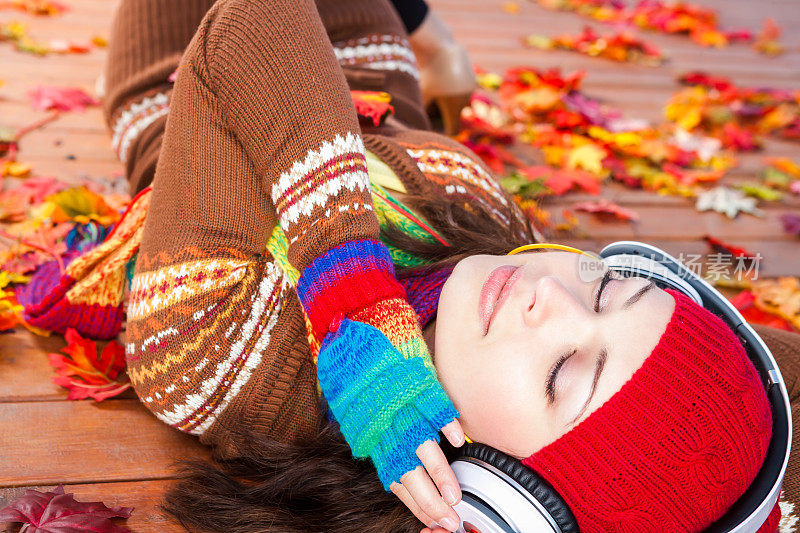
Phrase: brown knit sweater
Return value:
(216, 335)
(259, 130)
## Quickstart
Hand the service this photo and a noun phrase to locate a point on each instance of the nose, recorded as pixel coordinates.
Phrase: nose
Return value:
(552, 301)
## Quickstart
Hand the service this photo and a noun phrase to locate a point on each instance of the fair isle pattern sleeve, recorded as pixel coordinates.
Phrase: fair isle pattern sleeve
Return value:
(235, 341)
(347, 280)
(303, 195)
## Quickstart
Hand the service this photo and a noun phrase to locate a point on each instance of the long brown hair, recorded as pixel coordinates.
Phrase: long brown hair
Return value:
(316, 485)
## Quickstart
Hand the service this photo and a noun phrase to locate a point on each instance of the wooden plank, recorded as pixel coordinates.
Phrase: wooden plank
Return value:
(27, 374)
(678, 222)
(638, 197)
(18, 114)
(54, 144)
(777, 259)
(45, 443)
(144, 496)
(74, 171)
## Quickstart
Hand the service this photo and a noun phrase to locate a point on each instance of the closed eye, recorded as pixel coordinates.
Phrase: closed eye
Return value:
(550, 384)
(608, 276)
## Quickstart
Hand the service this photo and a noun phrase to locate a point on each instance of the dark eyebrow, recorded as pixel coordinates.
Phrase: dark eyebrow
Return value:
(598, 369)
(638, 294)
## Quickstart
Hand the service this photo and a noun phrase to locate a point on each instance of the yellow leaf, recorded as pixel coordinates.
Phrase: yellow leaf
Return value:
(7, 278)
(511, 7)
(540, 99)
(14, 169)
(538, 41)
(588, 157)
(489, 80)
(554, 155)
(690, 119)
(81, 205)
(710, 38)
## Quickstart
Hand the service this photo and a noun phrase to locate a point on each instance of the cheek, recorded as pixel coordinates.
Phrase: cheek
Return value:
(497, 401)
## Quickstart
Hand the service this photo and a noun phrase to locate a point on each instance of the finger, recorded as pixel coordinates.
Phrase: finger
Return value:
(454, 433)
(401, 492)
(426, 495)
(438, 468)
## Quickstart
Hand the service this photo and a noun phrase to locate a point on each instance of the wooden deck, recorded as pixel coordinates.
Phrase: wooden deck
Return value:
(116, 451)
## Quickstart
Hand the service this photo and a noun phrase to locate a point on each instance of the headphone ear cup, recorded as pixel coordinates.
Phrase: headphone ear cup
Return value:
(540, 489)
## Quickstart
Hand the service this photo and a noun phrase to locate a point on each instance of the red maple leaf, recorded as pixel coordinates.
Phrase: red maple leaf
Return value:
(728, 249)
(85, 374)
(46, 98)
(56, 512)
(562, 180)
(744, 302)
(608, 208)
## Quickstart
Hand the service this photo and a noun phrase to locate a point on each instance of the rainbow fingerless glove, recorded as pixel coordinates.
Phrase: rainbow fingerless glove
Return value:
(374, 370)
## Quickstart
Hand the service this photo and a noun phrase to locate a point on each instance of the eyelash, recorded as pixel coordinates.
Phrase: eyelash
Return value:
(550, 387)
(607, 277)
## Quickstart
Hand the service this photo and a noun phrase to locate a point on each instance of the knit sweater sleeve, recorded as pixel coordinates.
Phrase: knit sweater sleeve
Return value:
(261, 132)
(283, 94)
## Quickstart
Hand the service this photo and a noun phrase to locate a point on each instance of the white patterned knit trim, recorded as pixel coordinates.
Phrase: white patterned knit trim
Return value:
(153, 291)
(134, 120)
(265, 299)
(788, 523)
(323, 174)
(390, 53)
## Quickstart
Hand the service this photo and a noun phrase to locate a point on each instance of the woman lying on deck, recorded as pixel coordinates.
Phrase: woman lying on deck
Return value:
(288, 250)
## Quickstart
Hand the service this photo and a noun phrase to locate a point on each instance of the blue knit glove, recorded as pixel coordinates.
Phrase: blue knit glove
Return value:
(386, 405)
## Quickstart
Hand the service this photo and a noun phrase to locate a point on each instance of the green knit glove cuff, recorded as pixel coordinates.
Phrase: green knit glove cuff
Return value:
(386, 404)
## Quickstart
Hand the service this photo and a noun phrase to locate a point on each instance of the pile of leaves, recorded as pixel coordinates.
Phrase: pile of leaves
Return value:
(737, 116)
(16, 33)
(35, 7)
(582, 142)
(699, 23)
(44, 223)
(772, 302)
(622, 46)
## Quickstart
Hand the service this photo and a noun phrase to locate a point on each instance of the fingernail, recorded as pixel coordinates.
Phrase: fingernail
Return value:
(456, 439)
(449, 523)
(449, 494)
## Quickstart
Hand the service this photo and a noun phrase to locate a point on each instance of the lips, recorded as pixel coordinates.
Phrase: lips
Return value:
(495, 292)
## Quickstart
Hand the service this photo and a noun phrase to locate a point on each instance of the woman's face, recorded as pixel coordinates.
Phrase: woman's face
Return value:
(526, 351)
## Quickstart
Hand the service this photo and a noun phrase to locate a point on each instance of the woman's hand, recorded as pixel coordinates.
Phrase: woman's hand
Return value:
(417, 491)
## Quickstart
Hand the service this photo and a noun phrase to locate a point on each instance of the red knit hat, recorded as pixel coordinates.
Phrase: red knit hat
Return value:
(677, 445)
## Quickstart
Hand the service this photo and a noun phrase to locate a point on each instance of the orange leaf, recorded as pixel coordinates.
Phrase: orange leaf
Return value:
(561, 181)
(9, 320)
(81, 205)
(84, 373)
(373, 105)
